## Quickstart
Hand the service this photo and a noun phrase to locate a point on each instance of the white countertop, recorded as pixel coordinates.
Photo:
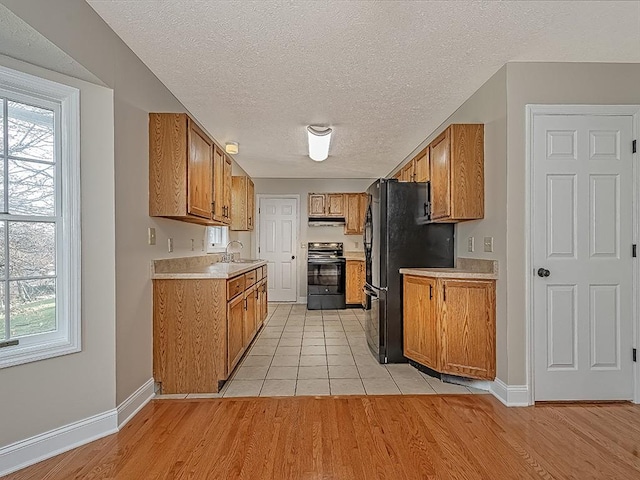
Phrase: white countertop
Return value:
(218, 270)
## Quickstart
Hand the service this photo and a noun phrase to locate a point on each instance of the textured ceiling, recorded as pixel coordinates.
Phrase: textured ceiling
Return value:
(19, 40)
(383, 74)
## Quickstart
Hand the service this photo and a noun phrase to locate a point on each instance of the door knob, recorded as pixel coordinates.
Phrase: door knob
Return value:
(543, 272)
(293, 257)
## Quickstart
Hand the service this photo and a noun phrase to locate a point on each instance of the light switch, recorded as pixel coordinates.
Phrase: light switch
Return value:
(170, 245)
(488, 244)
(151, 234)
(471, 244)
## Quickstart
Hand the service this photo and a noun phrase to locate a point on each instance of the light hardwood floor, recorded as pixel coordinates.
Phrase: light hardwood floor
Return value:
(360, 437)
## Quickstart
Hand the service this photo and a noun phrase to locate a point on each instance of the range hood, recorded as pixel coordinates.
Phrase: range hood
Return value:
(326, 222)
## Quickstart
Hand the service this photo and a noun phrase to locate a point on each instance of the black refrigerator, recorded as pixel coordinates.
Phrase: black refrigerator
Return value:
(397, 234)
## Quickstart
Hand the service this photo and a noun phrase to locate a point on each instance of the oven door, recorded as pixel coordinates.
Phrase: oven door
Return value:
(326, 276)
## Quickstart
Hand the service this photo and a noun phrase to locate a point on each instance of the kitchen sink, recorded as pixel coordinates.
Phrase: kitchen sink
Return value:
(243, 260)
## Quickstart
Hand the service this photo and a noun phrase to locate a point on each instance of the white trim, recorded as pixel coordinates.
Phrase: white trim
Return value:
(296, 197)
(68, 257)
(135, 402)
(510, 395)
(302, 300)
(531, 112)
(27, 452)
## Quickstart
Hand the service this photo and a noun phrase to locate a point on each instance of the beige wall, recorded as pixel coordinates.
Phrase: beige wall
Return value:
(40, 396)
(489, 106)
(302, 187)
(74, 27)
(546, 83)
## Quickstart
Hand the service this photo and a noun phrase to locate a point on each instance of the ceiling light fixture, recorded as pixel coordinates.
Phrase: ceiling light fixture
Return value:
(319, 140)
(231, 148)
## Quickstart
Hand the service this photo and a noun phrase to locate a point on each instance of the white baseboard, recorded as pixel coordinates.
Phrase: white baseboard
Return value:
(32, 450)
(510, 395)
(134, 403)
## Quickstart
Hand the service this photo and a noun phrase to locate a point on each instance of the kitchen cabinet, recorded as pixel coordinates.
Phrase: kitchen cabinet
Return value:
(317, 205)
(202, 328)
(356, 205)
(407, 172)
(221, 186)
(235, 332)
(243, 204)
(250, 315)
(185, 180)
(421, 166)
(335, 205)
(456, 164)
(355, 278)
(449, 325)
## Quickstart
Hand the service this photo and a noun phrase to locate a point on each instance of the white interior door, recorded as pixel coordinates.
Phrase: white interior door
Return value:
(277, 245)
(583, 236)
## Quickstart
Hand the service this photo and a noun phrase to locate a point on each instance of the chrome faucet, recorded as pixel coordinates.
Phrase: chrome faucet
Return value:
(228, 258)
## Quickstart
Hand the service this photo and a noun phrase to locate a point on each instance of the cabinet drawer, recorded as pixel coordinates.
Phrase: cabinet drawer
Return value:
(235, 287)
(250, 278)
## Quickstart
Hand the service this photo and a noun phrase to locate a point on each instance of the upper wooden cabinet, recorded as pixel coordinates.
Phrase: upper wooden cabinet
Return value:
(317, 205)
(243, 204)
(221, 186)
(356, 205)
(421, 166)
(335, 205)
(185, 181)
(457, 173)
(407, 172)
(450, 325)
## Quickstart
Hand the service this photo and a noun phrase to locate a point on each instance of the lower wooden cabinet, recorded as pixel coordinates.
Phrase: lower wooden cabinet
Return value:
(450, 325)
(202, 327)
(354, 282)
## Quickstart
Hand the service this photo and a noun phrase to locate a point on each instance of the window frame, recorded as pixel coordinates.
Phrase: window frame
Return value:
(220, 247)
(30, 89)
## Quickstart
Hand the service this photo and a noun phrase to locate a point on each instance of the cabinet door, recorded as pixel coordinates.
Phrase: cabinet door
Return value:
(316, 205)
(239, 219)
(353, 295)
(249, 315)
(251, 206)
(421, 329)
(421, 166)
(335, 205)
(235, 331)
(440, 165)
(408, 172)
(353, 215)
(199, 173)
(218, 185)
(398, 175)
(227, 190)
(468, 325)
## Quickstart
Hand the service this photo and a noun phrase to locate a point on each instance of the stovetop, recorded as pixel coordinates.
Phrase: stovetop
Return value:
(325, 249)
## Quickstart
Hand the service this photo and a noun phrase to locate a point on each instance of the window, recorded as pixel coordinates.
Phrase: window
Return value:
(216, 239)
(39, 219)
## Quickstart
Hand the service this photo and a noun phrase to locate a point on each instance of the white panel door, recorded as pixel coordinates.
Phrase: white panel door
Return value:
(582, 235)
(277, 245)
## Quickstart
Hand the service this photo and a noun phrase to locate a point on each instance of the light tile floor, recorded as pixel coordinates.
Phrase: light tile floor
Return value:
(300, 352)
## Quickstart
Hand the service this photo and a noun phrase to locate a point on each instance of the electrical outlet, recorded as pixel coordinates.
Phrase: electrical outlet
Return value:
(151, 236)
(170, 245)
(488, 244)
(202, 244)
(192, 245)
(357, 244)
(471, 244)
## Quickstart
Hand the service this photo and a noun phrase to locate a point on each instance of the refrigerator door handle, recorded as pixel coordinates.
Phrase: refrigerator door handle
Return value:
(370, 293)
(378, 289)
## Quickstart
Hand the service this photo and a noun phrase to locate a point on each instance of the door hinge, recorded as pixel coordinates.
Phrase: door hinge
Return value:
(258, 209)
(634, 249)
(633, 147)
(634, 355)
(258, 249)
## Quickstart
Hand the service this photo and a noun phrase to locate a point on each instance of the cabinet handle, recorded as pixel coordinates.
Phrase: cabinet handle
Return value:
(257, 293)
(444, 293)
(430, 292)
(213, 207)
(245, 304)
